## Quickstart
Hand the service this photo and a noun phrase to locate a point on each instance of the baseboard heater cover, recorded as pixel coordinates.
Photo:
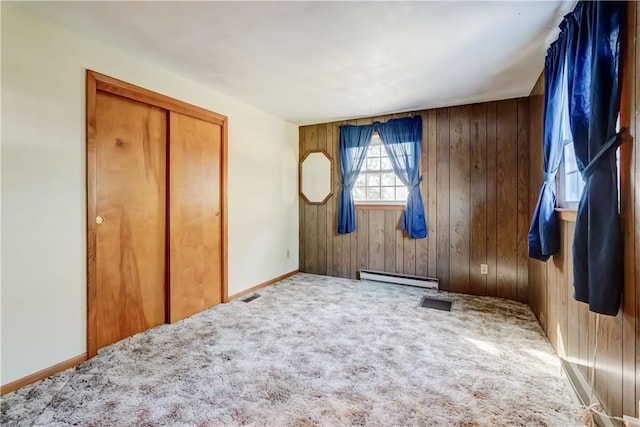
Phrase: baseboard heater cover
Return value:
(399, 279)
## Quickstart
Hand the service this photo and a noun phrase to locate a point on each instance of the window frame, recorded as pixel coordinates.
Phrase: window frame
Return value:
(381, 204)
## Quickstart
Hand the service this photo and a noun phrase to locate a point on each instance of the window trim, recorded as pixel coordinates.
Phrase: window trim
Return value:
(381, 204)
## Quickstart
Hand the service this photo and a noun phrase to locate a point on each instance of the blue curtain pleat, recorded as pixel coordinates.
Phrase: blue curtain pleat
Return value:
(403, 140)
(592, 36)
(354, 141)
(544, 233)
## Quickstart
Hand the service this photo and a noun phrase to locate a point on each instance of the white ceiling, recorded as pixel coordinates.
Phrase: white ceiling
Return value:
(314, 62)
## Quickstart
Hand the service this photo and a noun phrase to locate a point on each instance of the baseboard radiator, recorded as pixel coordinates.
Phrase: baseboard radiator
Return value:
(399, 279)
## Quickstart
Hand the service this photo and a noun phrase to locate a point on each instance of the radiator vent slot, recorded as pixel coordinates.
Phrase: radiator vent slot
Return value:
(251, 298)
(399, 279)
(438, 304)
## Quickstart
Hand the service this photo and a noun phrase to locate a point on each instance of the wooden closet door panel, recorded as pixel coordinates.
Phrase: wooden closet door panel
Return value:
(131, 197)
(195, 281)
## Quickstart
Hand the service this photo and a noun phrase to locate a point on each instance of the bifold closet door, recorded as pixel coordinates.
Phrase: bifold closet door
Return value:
(131, 217)
(195, 255)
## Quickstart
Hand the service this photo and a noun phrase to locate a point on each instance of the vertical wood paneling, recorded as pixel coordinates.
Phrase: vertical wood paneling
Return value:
(399, 237)
(507, 193)
(492, 199)
(301, 210)
(431, 206)
(617, 364)
(537, 270)
(460, 186)
(631, 308)
(311, 212)
(422, 245)
(390, 227)
(523, 200)
(366, 239)
(377, 243)
(341, 248)
(332, 150)
(321, 211)
(478, 214)
(459, 201)
(443, 194)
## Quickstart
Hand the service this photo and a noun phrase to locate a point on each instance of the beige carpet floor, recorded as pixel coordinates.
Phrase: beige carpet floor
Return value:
(317, 351)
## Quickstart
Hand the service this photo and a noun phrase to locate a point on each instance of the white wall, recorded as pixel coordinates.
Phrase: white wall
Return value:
(43, 299)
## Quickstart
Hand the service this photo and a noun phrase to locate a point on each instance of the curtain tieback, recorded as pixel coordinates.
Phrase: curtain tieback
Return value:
(417, 184)
(611, 144)
(549, 178)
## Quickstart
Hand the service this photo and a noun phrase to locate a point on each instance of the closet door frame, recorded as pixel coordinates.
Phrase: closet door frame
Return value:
(99, 82)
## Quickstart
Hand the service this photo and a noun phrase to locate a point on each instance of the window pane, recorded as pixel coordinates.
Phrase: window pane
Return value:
(389, 179)
(569, 158)
(374, 151)
(373, 180)
(385, 164)
(360, 181)
(402, 193)
(573, 186)
(388, 193)
(359, 193)
(373, 193)
(373, 164)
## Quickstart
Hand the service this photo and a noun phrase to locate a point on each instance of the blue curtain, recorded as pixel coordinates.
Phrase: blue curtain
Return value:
(592, 36)
(354, 141)
(544, 233)
(403, 140)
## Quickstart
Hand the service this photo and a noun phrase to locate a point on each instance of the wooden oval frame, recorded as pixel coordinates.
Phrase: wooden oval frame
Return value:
(300, 162)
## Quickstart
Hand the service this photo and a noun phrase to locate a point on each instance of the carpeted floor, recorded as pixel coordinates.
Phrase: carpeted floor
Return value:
(314, 350)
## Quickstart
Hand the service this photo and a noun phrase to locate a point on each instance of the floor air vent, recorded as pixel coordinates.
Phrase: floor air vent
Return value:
(399, 279)
(251, 298)
(438, 304)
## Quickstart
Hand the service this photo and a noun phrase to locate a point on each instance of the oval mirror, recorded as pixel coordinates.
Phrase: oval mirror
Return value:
(316, 175)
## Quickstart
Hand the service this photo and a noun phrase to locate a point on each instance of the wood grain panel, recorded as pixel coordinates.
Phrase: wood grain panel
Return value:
(376, 248)
(311, 213)
(537, 270)
(422, 245)
(459, 199)
(507, 197)
(617, 363)
(630, 162)
(130, 196)
(195, 232)
(368, 242)
(321, 211)
(431, 147)
(478, 196)
(302, 232)
(390, 230)
(331, 222)
(523, 219)
(492, 199)
(443, 137)
(460, 194)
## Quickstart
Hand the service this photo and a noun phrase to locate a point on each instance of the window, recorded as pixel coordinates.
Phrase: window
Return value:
(377, 182)
(571, 183)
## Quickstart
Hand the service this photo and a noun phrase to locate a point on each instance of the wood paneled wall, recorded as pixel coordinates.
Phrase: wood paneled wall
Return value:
(476, 197)
(569, 324)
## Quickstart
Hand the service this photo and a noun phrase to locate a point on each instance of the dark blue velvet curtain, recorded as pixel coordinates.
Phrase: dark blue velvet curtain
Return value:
(354, 141)
(592, 34)
(403, 140)
(544, 233)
